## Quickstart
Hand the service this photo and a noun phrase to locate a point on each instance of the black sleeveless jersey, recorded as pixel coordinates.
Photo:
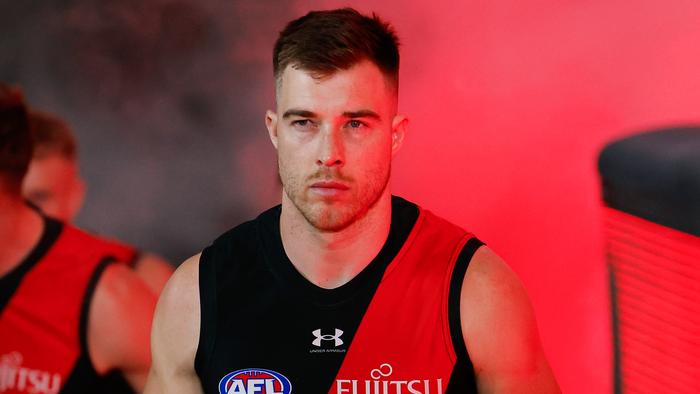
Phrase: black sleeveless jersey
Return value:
(395, 327)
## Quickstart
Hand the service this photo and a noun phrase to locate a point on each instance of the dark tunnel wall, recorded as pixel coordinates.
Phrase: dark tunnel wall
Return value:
(167, 99)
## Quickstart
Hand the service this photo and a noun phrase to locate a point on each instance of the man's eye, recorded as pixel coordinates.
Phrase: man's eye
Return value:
(303, 124)
(355, 124)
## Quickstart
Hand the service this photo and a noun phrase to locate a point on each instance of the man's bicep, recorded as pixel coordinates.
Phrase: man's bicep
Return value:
(175, 333)
(500, 331)
(119, 324)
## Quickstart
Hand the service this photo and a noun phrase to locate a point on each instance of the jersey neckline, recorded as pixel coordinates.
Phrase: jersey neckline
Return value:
(404, 215)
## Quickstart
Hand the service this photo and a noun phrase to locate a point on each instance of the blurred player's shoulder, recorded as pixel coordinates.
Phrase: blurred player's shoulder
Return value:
(151, 268)
(121, 251)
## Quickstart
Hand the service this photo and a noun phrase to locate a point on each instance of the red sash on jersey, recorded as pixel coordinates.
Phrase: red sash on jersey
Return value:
(40, 339)
(403, 344)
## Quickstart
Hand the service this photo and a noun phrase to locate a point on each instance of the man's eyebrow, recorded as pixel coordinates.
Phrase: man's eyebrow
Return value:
(363, 113)
(298, 112)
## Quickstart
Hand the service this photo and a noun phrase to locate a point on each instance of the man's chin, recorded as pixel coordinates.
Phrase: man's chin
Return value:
(330, 217)
(329, 222)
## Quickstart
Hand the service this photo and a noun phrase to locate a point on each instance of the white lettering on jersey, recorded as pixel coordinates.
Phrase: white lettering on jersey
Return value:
(14, 376)
(379, 385)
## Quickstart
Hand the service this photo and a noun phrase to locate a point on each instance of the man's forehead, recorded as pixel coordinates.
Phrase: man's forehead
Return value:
(362, 85)
(363, 69)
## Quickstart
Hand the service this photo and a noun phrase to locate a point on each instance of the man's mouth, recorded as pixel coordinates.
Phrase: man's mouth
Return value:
(330, 185)
(329, 188)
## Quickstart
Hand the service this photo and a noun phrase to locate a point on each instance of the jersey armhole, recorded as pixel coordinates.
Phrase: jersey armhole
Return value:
(10, 282)
(462, 379)
(135, 259)
(207, 310)
(83, 377)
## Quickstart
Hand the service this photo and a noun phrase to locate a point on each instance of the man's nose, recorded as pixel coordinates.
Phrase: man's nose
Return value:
(332, 149)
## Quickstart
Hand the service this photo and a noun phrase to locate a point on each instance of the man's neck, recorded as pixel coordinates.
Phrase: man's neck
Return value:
(331, 259)
(20, 231)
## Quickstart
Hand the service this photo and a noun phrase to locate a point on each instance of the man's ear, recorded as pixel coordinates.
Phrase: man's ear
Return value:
(77, 197)
(399, 127)
(271, 124)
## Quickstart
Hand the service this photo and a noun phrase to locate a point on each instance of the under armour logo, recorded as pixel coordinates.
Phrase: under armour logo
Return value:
(319, 337)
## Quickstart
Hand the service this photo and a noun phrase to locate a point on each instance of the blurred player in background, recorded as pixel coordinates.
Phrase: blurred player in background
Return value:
(69, 316)
(53, 183)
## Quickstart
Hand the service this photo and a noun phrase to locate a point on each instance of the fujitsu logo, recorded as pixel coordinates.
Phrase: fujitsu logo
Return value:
(381, 383)
(13, 376)
(335, 338)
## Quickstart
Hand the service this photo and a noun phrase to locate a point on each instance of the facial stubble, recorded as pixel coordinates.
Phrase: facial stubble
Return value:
(334, 216)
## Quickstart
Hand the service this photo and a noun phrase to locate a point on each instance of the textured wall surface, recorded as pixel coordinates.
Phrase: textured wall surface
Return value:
(510, 103)
(167, 99)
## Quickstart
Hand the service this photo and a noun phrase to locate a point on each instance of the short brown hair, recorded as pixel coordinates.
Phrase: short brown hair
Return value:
(15, 138)
(52, 136)
(323, 42)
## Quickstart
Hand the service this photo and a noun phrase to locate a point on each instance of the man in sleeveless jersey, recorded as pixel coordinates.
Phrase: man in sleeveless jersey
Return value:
(68, 316)
(53, 183)
(344, 288)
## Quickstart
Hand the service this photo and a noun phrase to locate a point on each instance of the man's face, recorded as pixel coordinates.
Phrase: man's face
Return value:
(335, 139)
(53, 184)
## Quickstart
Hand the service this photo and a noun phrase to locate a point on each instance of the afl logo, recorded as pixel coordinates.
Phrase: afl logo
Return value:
(254, 381)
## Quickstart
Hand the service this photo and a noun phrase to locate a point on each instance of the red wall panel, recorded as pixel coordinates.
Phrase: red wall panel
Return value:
(510, 104)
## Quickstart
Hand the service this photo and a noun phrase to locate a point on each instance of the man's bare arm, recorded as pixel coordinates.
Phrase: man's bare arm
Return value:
(119, 324)
(175, 334)
(500, 331)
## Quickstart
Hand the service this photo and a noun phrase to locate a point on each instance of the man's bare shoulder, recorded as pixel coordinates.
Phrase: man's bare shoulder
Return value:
(500, 330)
(494, 304)
(490, 283)
(119, 324)
(175, 333)
(180, 298)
